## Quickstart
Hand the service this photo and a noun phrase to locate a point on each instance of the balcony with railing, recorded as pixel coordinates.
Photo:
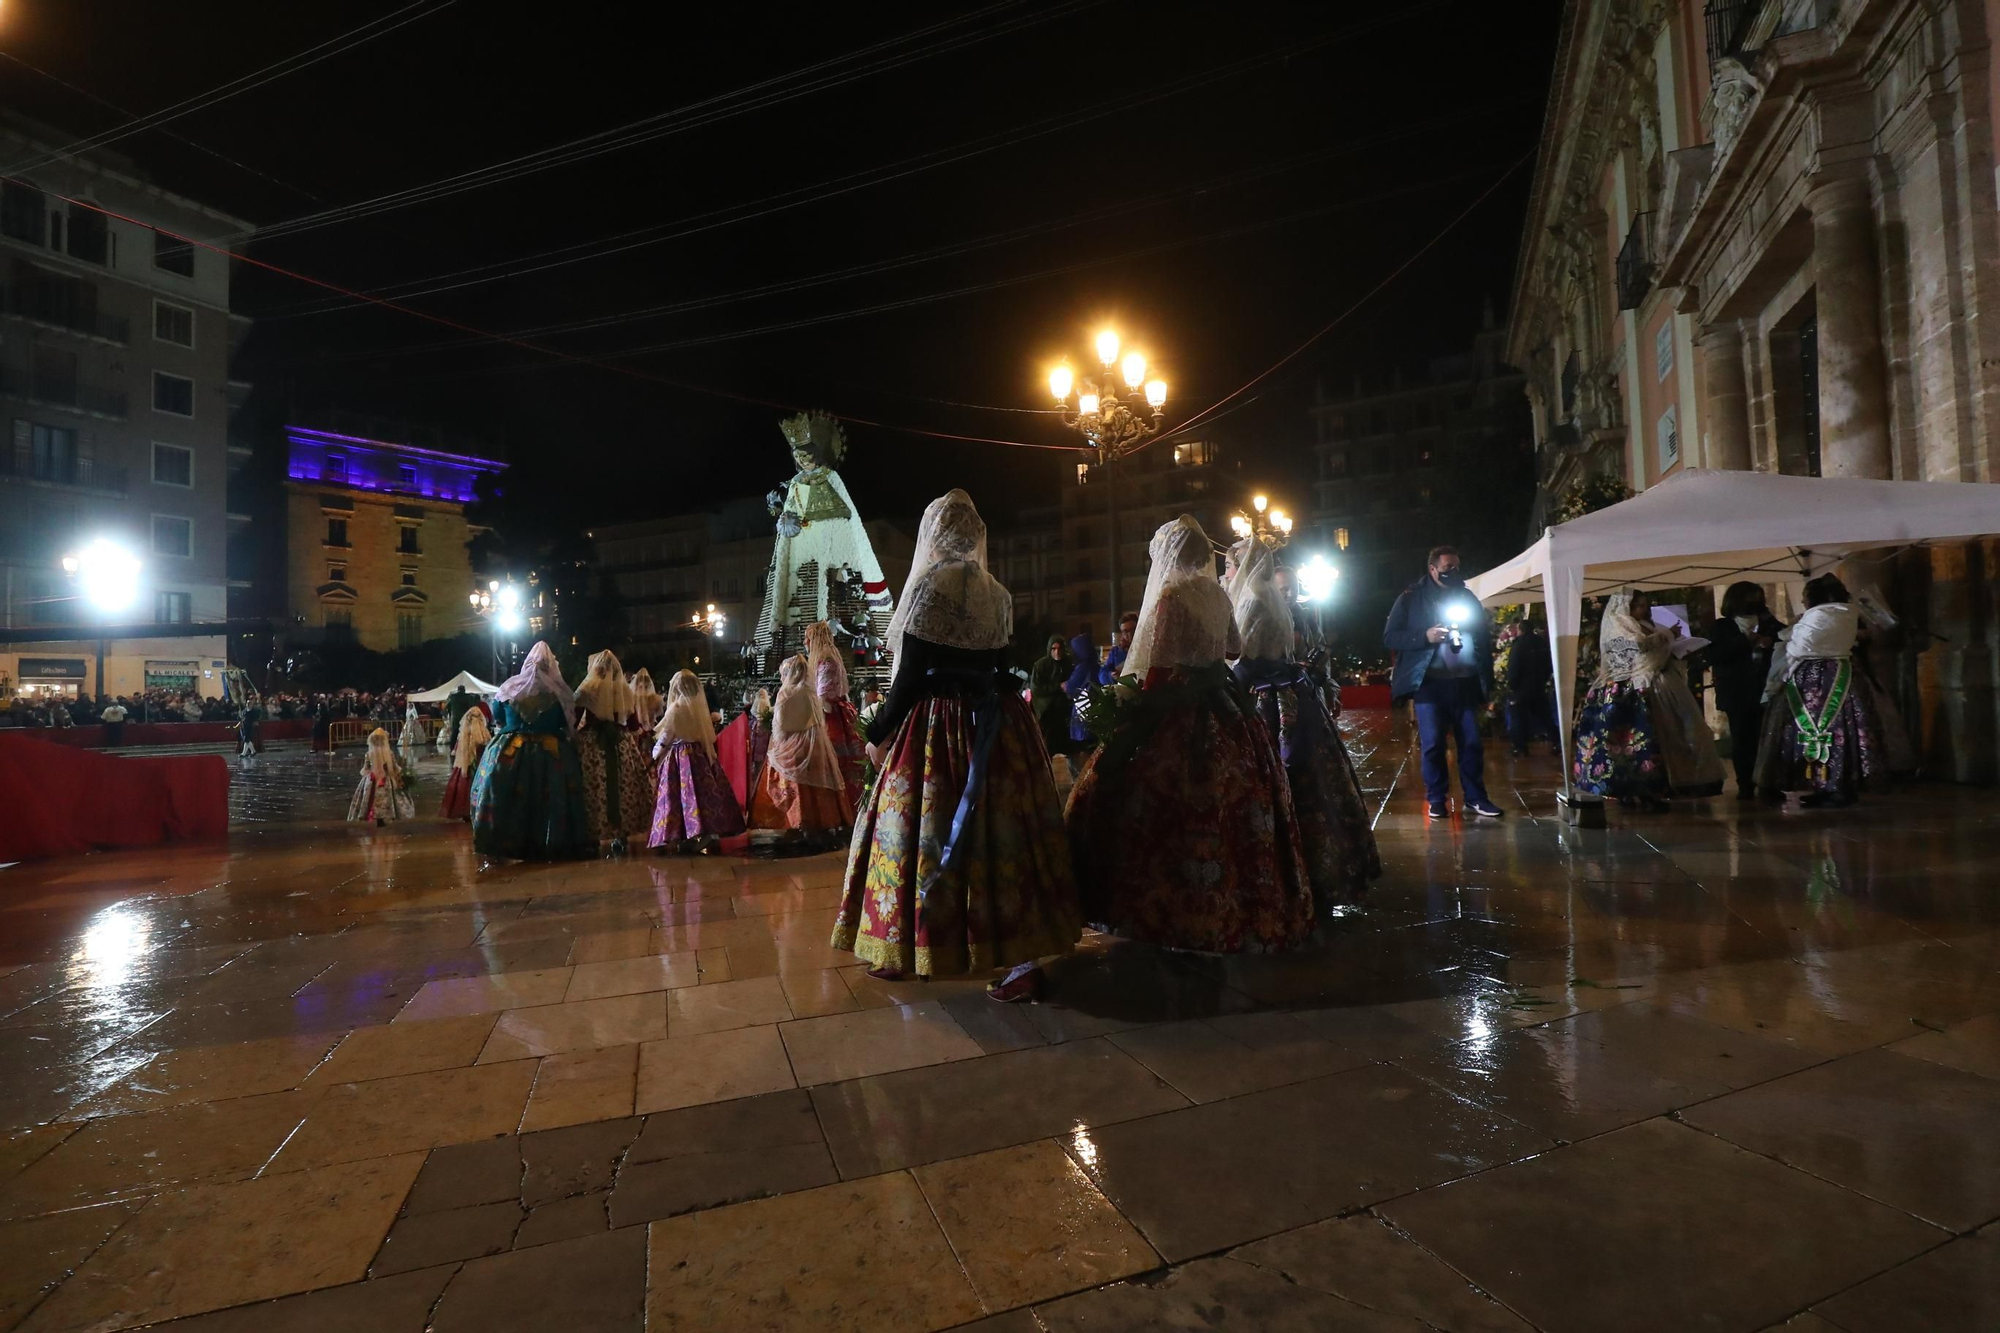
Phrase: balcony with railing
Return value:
(1728, 26)
(1635, 263)
(52, 304)
(59, 468)
(53, 389)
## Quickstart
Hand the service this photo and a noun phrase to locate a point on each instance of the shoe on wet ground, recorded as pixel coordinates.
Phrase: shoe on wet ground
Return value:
(1437, 810)
(1485, 809)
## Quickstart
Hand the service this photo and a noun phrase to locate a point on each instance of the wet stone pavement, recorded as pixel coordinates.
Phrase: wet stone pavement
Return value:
(1720, 1069)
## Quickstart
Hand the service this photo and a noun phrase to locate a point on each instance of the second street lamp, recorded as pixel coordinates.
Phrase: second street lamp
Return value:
(1110, 426)
(1273, 527)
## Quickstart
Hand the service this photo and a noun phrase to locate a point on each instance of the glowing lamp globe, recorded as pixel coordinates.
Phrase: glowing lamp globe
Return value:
(1316, 578)
(1107, 347)
(1135, 370)
(1061, 380)
(1087, 404)
(110, 575)
(1156, 394)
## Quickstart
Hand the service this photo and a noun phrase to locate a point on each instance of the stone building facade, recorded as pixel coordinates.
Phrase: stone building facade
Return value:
(377, 542)
(115, 347)
(1763, 235)
(1154, 486)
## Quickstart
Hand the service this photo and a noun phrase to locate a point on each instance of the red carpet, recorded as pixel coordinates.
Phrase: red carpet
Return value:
(177, 733)
(63, 801)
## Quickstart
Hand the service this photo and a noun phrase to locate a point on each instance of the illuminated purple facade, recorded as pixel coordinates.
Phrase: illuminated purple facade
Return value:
(376, 465)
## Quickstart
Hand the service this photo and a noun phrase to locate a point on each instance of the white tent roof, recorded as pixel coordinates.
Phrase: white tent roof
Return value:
(1703, 527)
(471, 682)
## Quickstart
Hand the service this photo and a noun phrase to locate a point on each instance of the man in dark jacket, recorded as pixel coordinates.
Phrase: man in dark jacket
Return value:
(1739, 654)
(1530, 701)
(1443, 641)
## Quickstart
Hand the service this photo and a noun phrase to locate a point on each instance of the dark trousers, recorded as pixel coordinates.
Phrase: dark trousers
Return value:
(114, 733)
(1527, 713)
(1447, 710)
(1746, 728)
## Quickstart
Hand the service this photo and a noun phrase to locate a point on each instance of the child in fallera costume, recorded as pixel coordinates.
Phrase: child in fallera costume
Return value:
(801, 793)
(472, 738)
(527, 794)
(647, 705)
(694, 807)
(959, 861)
(829, 675)
(411, 742)
(617, 775)
(381, 796)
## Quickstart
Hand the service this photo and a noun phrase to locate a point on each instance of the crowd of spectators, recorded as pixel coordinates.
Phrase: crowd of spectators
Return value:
(385, 708)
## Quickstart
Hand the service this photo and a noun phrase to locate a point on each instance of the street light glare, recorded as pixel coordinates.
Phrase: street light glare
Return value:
(510, 597)
(1156, 394)
(1087, 404)
(1061, 380)
(508, 621)
(110, 575)
(1316, 577)
(1135, 370)
(1107, 347)
(1261, 502)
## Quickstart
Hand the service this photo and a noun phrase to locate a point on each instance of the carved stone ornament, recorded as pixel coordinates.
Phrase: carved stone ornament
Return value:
(1735, 92)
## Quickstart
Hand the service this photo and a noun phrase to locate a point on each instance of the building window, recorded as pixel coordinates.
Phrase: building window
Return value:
(407, 476)
(24, 211)
(339, 623)
(173, 535)
(1082, 473)
(336, 532)
(1336, 464)
(172, 465)
(409, 630)
(1663, 350)
(54, 453)
(52, 375)
(409, 578)
(173, 324)
(336, 467)
(336, 573)
(89, 236)
(172, 256)
(406, 542)
(1668, 432)
(172, 608)
(173, 394)
(1195, 453)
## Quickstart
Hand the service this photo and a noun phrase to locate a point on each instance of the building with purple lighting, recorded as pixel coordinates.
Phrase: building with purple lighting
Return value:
(377, 542)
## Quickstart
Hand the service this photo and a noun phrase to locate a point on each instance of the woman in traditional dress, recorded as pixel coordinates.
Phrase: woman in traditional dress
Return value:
(617, 775)
(1640, 736)
(1821, 735)
(1048, 698)
(527, 795)
(410, 743)
(801, 793)
(381, 796)
(959, 861)
(695, 806)
(1181, 823)
(647, 705)
(1337, 839)
(471, 743)
(843, 727)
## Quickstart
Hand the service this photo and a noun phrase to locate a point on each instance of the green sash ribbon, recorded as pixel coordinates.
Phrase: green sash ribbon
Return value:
(1816, 734)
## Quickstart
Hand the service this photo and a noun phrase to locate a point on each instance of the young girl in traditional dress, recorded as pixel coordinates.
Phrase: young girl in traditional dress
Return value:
(1337, 839)
(471, 743)
(617, 777)
(1821, 735)
(695, 806)
(801, 793)
(959, 860)
(381, 796)
(527, 795)
(411, 742)
(829, 674)
(1181, 822)
(1640, 736)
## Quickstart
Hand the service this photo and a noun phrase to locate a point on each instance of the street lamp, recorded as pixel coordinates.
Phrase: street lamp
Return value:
(107, 574)
(710, 621)
(1111, 428)
(499, 604)
(1273, 527)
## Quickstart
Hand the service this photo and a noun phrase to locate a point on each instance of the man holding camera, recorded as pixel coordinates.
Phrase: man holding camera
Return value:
(1443, 643)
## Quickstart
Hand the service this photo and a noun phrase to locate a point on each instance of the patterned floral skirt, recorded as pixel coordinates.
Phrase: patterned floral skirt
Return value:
(375, 802)
(1190, 840)
(1010, 896)
(787, 806)
(1617, 749)
(617, 782)
(694, 799)
(527, 799)
(1335, 833)
(457, 803)
(1856, 759)
(843, 728)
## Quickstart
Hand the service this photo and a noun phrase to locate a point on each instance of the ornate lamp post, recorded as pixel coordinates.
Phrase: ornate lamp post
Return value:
(499, 604)
(1111, 428)
(1273, 527)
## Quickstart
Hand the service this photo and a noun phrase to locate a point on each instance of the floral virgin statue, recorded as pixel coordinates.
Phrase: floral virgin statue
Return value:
(822, 550)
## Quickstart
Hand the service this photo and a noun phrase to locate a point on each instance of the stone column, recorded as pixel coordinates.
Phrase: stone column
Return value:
(1847, 293)
(1728, 399)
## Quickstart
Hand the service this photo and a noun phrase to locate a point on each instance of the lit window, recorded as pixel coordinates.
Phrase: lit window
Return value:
(408, 477)
(336, 467)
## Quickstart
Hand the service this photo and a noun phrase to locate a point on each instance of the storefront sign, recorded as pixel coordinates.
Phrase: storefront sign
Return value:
(171, 675)
(51, 668)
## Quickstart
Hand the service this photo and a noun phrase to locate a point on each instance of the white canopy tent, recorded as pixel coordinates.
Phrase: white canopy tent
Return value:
(1700, 528)
(472, 684)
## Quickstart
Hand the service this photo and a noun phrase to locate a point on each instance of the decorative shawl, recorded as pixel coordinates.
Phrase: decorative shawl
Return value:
(1628, 650)
(686, 717)
(950, 599)
(604, 693)
(1185, 619)
(1263, 619)
(829, 671)
(801, 749)
(539, 677)
(647, 704)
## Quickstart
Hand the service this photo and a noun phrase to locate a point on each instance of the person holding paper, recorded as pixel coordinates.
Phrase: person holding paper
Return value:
(1640, 736)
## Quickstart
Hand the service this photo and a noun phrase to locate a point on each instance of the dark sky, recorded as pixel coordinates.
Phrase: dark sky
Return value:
(1262, 166)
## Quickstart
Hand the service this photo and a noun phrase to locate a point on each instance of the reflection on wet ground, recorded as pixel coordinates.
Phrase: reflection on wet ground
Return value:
(1720, 1069)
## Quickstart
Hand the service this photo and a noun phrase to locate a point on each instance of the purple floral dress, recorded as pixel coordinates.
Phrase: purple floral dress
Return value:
(695, 802)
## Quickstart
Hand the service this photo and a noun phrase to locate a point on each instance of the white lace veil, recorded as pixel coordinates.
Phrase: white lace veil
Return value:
(1185, 618)
(539, 674)
(604, 692)
(1263, 620)
(646, 702)
(801, 748)
(950, 599)
(472, 737)
(687, 717)
(822, 650)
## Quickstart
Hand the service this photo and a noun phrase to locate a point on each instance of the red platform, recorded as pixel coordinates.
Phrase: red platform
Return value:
(58, 800)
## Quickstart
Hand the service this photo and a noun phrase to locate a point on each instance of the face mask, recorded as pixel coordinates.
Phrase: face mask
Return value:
(1451, 578)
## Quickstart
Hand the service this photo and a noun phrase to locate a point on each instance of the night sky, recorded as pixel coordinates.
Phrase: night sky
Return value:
(1219, 180)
